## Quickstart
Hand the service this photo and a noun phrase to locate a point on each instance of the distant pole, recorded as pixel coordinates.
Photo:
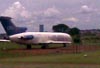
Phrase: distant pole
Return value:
(41, 28)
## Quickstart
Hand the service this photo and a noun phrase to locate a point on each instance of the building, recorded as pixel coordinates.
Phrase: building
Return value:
(41, 28)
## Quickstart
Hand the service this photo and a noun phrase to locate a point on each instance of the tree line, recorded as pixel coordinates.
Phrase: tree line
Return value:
(74, 32)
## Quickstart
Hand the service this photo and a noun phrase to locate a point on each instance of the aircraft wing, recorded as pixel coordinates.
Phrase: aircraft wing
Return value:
(4, 40)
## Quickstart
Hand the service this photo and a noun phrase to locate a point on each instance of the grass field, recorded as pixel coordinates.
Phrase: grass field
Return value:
(58, 60)
(91, 58)
(48, 66)
(90, 40)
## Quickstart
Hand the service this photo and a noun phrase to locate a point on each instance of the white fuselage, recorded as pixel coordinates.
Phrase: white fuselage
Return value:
(41, 37)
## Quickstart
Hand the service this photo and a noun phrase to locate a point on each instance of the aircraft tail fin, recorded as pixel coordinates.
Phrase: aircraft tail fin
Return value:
(9, 27)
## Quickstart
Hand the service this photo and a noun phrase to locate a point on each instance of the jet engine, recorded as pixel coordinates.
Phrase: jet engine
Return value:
(27, 37)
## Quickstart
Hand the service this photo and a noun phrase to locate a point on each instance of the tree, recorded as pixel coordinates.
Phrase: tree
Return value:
(60, 28)
(75, 33)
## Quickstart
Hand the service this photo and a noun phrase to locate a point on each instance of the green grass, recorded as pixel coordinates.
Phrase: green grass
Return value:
(23, 65)
(21, 60)
(91, 58)
(8, 45)
(90, 40)
(9, 57)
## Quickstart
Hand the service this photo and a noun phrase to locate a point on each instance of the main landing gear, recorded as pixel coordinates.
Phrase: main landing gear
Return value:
(28, 47)
(64, 45)
(44, 46)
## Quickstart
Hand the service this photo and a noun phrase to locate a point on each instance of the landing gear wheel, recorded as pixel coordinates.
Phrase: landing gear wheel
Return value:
(44, 46)
(28, 47)
(64, 45)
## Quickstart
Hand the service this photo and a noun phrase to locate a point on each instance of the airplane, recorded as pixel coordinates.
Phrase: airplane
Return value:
(20, 36)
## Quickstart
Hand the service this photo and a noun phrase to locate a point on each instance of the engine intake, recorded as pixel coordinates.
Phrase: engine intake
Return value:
(28, 37)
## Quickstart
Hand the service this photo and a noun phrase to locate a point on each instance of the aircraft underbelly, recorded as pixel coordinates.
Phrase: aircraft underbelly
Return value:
(39, 41)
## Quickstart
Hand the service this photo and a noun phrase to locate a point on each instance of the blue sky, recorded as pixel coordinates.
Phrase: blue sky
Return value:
(84, 14)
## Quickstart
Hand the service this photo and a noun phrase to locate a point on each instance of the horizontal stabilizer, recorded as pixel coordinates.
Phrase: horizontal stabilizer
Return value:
(3, 40)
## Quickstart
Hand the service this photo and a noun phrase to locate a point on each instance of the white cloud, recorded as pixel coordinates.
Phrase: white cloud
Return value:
(23, 16)
(20, 15)
(16, 10)
(87, 9)
(51, 12)
(73, 19)
(50, 15)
